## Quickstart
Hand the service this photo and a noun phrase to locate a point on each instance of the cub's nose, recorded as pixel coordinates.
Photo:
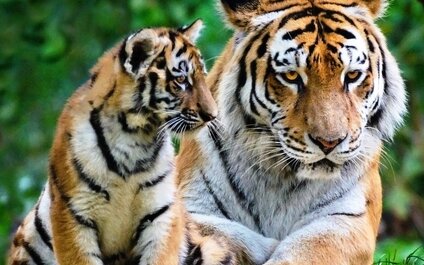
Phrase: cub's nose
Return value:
(205, 116)
(326, 145)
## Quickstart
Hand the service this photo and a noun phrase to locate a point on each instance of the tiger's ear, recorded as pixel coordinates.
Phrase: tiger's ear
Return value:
(375, 7)
(239, 13)
(137, 52)
(192, 32)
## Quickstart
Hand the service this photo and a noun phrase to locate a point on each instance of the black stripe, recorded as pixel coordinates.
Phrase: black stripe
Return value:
(136, 260)
(173, 36)
(181, 50)
(374, 120)
(147, 220)
(307, 12)
(101, 142)
(20, 262)
(95, 255)
(253, 88)
(218, 203)
(153, 78)
(33, 254)
(110, 92)
(111, 259)
(332, 18)
(138, 55)
(55, 182)
(333, 12)
(153, 182)
(335, 197)
(122, 119)
(241, 197)
(348, 214)
(312, 11)
(45, 237)
(273, 122)
(370, 44)
(346, 34)
(242, 78)
(93, 78)
(268, 72)
(339, 4)
(253, 68)
(123, 54)
(143, 165)
(228, 260)
(89, 181)
(291, 35)
(80, 219)
(194, 254)
(138, 97)
(332, 48)
(262, 48)
(297, 185)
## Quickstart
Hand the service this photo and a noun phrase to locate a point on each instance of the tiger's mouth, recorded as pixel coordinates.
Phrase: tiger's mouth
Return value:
(322, 169)
(325, 163)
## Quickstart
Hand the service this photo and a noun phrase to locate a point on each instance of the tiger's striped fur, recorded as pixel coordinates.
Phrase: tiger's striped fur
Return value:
(111, 194)
(307, 92)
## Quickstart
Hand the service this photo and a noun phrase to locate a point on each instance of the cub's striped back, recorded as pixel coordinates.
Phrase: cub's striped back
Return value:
(111, 195)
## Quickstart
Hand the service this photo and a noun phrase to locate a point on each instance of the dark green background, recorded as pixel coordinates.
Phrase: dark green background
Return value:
(47, 48)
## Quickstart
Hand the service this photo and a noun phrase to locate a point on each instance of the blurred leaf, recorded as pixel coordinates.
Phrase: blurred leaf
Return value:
(399, 201)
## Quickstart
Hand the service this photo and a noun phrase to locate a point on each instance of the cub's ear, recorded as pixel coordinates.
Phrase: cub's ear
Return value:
(192, 32)
(375, 7)
(239, 13)
(137, 51)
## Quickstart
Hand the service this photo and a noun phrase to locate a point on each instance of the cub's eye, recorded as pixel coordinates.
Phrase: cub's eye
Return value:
(292, 77)
(181, 79)
(352, 76)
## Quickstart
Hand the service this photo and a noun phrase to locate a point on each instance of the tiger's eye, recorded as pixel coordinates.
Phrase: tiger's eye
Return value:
(292, 75)
(352, 76)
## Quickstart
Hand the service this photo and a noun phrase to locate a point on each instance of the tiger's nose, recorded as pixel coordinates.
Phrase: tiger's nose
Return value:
(326, 145)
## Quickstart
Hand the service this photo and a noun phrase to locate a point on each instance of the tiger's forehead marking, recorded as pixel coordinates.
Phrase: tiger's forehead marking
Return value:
(319, 41)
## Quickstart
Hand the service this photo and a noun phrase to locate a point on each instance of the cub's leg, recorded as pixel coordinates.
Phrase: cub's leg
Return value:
(75, 238)
(159, 237)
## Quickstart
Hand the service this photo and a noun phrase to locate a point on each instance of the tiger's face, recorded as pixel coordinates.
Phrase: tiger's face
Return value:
(164, 83)
(318, 77)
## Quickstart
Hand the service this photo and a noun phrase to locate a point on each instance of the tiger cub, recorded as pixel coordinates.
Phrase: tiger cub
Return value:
(110, 196)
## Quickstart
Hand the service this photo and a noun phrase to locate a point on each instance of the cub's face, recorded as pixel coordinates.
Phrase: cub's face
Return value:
(166, 79)
(323, 84)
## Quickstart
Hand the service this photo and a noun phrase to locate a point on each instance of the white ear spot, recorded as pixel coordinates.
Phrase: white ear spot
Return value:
(192, 32)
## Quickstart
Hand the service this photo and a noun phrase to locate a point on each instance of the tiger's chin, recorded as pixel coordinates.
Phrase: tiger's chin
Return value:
(323, 169)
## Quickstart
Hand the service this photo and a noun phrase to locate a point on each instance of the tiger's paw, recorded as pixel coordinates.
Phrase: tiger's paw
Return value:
(215, 251)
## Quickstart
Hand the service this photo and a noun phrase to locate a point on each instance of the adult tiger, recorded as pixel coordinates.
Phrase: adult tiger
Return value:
(307, 92)
(111, 194)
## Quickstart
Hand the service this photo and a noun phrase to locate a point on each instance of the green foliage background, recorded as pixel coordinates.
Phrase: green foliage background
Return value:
(47, 48)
